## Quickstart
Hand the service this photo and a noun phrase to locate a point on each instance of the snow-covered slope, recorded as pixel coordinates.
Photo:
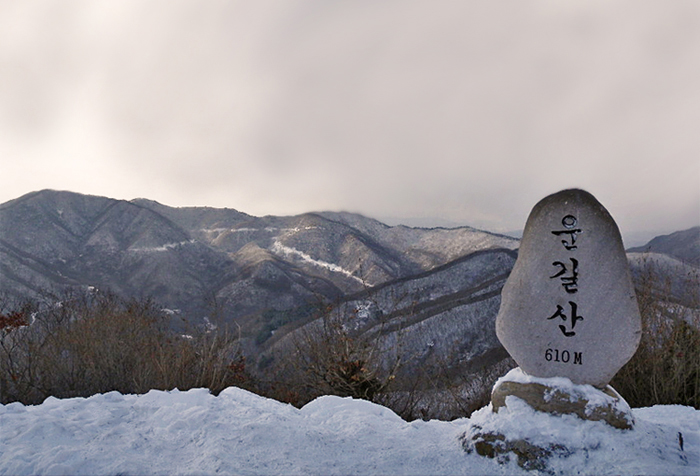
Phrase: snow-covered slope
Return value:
(669, 276)
(683, 245)
(188, 258)
(238, 432)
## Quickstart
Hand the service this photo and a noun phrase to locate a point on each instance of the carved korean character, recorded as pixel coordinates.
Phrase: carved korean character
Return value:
(573, 318)
(570, 281)
(569, 222)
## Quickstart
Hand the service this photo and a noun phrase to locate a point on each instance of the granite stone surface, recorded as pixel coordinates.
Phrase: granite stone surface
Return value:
(569, 308)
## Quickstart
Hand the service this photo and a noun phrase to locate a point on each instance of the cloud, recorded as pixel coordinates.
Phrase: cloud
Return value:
(469, 112)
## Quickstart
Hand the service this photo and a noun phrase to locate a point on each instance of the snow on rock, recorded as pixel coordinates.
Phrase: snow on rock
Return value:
(584, 392)
(557, 441)
(239, 432)
(593, 447)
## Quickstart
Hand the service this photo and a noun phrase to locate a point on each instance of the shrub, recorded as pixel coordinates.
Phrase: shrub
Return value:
(335, 358)
(666, 367)
(93, 343)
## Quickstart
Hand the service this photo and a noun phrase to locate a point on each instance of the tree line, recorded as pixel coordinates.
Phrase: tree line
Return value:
(80, 344)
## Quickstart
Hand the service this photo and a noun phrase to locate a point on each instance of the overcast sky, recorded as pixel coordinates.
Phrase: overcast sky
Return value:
(465, 112)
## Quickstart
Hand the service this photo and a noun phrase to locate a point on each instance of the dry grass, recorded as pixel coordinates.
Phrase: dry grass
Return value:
(96, 343)
(666, 366)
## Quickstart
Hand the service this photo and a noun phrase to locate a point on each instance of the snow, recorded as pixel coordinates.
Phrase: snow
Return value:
(652, 447)
(238, 432)
(583, 392)
(165, 247)
(268, 229)
(280, 249)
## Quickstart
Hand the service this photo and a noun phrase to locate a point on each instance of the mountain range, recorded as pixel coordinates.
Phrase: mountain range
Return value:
(438, 288)
(682, 245)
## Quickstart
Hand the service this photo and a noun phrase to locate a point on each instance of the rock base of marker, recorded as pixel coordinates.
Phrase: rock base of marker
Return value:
(527, 454)
(518, 397)
(604, 405)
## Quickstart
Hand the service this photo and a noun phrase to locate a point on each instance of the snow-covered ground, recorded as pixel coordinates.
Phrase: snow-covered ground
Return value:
(239, 432)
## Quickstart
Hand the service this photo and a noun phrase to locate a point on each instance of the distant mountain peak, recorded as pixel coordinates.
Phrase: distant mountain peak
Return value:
(683, 245)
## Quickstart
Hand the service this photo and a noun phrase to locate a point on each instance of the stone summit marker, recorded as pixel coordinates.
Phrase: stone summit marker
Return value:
(570, 320)
(568, 308)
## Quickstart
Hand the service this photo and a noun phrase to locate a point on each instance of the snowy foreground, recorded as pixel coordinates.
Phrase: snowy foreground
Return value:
(239, 432)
